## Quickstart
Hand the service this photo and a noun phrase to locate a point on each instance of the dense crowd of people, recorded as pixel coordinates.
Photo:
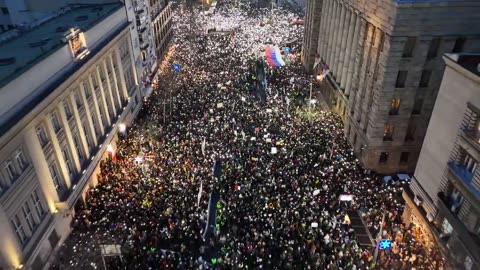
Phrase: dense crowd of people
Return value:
(283, 167)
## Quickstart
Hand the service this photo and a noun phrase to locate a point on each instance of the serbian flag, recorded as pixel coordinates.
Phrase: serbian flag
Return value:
(273, 56)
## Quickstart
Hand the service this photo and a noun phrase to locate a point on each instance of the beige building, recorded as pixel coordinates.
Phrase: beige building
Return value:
(66, 90)
(385, 68)
(445, 192)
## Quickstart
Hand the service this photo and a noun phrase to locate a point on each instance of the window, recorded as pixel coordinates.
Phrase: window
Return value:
(409, 46)
(21, 160)
(42, 135)
(68, 162)
(102, 73)
(388, 133)
(55, 121)
(87, 135)
(10, 169)
(86, 91)
(395, 106)
(94, 81)
(37, 204)
(411, 129)
(383, 158)
(417, 106)
(55, 176)
(433, 49)
(5, 10)
(459, 44)
(404, 157)
(77, 143)
(78, 100)
(469, 163)
(95, 126)
(425, 78)
(17, 226)
(68, 110)
(28, 216)
(401, 78)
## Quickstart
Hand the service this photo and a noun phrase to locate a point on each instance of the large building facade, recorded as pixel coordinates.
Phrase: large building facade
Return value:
(445, 191)
(66, 90)
(152, 32)
(385, 68)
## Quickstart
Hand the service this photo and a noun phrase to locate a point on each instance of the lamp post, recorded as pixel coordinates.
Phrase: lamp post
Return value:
(379, 237)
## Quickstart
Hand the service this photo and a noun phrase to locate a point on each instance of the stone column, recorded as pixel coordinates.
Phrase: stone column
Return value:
(331, 32)
(353, 52)
(41, 166)
(338, 41)
(123, 91)
(348, 51)
(78, 123)
(88, 114)
(96, 113)
(69, 138)
(103, 108)
(323, 23)
(113, 83)
(108, 92)
(343, 45)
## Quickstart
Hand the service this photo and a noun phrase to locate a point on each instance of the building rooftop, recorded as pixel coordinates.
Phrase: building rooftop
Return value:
(19, 54)
(470, 62)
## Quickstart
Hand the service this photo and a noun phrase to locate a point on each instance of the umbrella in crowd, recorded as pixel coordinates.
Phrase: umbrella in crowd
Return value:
(275, 174)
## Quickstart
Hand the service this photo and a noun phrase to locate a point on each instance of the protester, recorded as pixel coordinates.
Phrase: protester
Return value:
(283, 167)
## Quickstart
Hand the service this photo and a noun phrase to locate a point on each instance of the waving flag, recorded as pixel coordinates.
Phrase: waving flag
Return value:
(273, 56)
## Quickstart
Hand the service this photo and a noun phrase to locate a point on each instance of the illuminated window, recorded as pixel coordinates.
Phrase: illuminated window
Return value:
(395, 106)
(388, 133)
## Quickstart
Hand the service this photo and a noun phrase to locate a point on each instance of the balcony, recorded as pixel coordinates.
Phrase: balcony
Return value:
(465, 177)
(470, 240)
(141, 28)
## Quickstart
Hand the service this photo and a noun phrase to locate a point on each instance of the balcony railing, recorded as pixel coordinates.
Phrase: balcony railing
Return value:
(465, 176)
(473, 134)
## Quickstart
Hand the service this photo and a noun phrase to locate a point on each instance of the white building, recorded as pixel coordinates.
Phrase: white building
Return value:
(445, 191)
(66, 89)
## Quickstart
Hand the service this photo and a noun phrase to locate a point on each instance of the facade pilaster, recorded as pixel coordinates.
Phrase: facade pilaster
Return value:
(40, 165)
(343, 45)
(69, 137)
(338, 41)
(348, 52)
(57, 151)
(353, 53)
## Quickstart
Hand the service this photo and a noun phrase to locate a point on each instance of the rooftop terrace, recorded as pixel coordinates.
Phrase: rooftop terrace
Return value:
(21, 53)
